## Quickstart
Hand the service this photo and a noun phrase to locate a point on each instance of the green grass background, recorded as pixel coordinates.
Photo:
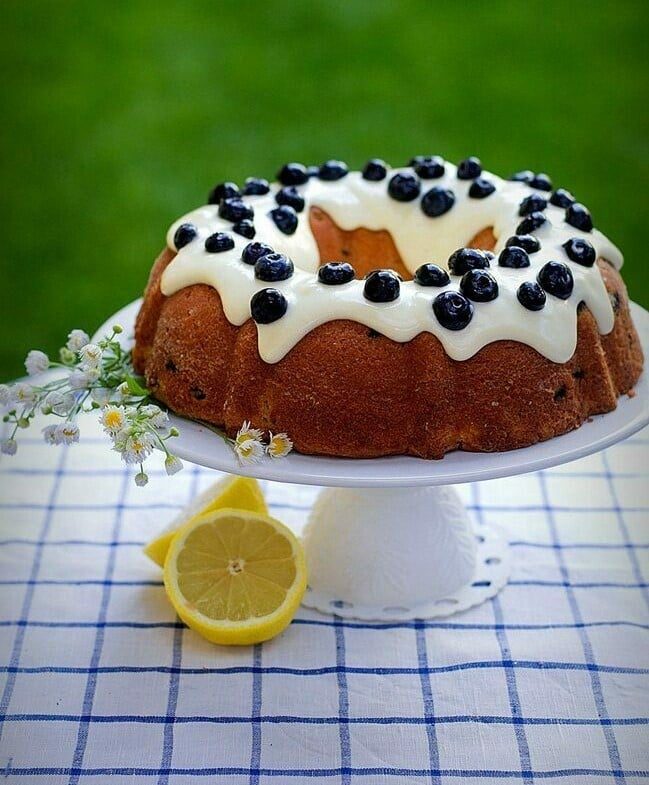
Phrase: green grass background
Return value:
(119, 116)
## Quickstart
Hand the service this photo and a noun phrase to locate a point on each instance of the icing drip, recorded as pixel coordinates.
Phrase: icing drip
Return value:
(354, 202)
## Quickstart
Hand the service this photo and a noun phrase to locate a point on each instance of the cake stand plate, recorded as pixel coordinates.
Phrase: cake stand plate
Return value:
(389, 539)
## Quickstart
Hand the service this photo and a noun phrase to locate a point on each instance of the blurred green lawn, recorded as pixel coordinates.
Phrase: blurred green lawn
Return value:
(118, 117)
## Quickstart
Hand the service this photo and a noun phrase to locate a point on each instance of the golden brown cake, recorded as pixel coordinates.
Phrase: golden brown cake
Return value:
(443, 348)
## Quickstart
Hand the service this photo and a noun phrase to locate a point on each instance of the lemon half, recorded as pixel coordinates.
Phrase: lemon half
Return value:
(242, 493)
(235, 577)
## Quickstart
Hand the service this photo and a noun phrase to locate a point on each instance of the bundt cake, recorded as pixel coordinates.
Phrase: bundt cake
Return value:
(413, 311)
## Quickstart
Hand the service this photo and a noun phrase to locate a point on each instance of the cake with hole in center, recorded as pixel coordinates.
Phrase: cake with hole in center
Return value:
(415, 310)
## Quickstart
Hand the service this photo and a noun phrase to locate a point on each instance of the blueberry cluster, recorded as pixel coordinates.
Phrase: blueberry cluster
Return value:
(269, 265)
(298, 174)
(539, 181)
(291, 196)
(232, 208)
(267, 305)
(465, 259)
(454, 310)
(405, 187)
(554, 278)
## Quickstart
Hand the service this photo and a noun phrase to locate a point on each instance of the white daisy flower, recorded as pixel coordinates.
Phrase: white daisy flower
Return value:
(101, 395)
(137, 448)
(36, 362)
(119, 440)
(6, 395)
(173, 465)
(141, 479)
(67, 433)
(50, 435)
(77, 339)
(279, 445)
(58, 403)
(92, 374)
(248, 432)
(156, 416)
(122, 390)
(248, 445)
(78, 379)
(113, 418)
(8, 446)
(23, 393)
(90, 355)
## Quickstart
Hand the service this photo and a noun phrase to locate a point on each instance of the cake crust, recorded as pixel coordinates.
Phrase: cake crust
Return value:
(348, 391)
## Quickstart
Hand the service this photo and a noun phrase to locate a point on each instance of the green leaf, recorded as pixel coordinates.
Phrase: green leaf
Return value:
(135, 385)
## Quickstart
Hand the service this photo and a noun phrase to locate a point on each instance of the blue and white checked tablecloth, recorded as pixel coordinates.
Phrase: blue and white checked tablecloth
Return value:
(100, 683)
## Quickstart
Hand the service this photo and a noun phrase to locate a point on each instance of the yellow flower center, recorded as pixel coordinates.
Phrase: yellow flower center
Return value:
(113, 419)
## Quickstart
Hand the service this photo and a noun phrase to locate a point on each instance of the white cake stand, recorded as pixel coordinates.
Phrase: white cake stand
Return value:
(389, 538)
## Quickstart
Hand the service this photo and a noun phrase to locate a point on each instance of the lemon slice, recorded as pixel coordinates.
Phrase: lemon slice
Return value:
(235, 577)
(242, 493)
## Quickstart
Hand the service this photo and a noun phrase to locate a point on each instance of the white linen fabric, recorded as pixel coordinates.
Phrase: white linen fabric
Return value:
(99, 682)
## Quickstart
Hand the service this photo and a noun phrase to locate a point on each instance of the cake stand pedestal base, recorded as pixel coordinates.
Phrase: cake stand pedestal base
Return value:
(399, 553)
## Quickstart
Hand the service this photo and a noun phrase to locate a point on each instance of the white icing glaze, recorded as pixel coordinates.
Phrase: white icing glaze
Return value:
(353, 202)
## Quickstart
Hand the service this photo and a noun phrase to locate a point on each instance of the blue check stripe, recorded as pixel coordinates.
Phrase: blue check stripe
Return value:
(598, 694)
(339, 771)
(16, 652)
(333, 700)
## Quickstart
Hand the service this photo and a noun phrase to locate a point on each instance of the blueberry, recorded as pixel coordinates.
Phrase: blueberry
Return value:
(313, 171)
(268, 305)
(428, 167)
(184, 234)
(291, 196)
(556, 279)
(452, 310)
(333, 170)
(531, 223)
(580, 251)
(480, 188)
(531, 296)
(273, 267)
(514, 256)
(479, 286)
(235, 210)
(431, 275)
(525, 176)
(219, 242)
(256, 186)
(527, 242)
(578, 216)
(245, 228)
(253, 251)
(404, 187)
(541, 182)
(292, 174)
(334, 273)
(532, 204)
(465, 259)
(223, 191)
(381, 286)
(469, 169)
(437, 201)
(375, 169)
(285, 218)
(562, 198)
